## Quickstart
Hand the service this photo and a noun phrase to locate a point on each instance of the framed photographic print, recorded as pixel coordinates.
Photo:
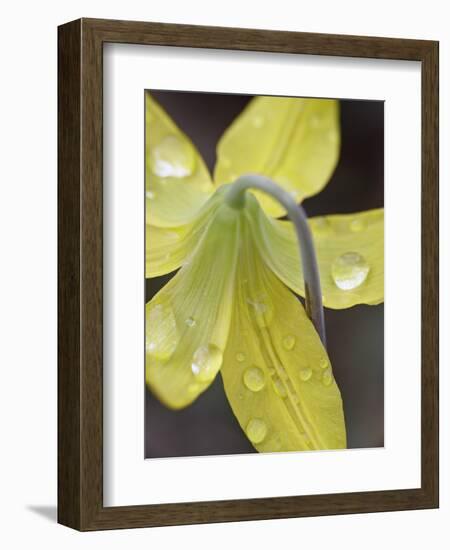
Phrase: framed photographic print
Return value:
(248, 274)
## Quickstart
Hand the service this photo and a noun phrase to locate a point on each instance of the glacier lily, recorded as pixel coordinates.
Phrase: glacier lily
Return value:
(231, 306)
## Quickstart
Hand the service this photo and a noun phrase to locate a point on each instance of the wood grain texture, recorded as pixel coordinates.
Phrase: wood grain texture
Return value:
(80, 263)
(69, 244)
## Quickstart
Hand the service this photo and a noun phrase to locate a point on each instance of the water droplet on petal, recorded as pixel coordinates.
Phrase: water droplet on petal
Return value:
(206, 362)
(349, 270)
(263, 312)
(172, 158)
(305, 374)
(161, 334)
(289, 342)
(258, 121)
(357, 225)
(190, 322)
(327, 378)
(324, 363)
(254, 379)
(283, 373)
(256, 430)
(279, 387)
(240, 357)
(322, 226)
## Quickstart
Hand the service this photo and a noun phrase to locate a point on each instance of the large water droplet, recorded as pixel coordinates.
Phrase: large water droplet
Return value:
(279, 387)
(254, 379)
(256, 430)
(289, 342)
(327, 378)
(349, 270)
(161, 334)
(262, 310)
(172, 158)
(206, 362)
(240, 357)
(190, 322)
(357, 225)
(305, 374)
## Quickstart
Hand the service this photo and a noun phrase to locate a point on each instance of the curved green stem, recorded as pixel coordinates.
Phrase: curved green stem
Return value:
(296, 213)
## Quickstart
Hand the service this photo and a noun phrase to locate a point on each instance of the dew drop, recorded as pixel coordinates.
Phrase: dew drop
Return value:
(172, 158)
(240, 357)
(161, 334)
(324, 363)
(254, 379)
(190, 322)
(357, 225)
(322, 226)
(206, 362)
(258, 121)
(327, 378)
(349, 270)
(283, 373)
(256, 430)
(305, 374)
(279, 387)
(263, 312)
(289, 342)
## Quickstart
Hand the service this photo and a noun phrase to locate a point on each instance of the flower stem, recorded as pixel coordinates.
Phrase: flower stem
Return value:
(313, 293)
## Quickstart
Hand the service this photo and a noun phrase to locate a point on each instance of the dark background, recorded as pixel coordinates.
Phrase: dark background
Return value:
(355, 336)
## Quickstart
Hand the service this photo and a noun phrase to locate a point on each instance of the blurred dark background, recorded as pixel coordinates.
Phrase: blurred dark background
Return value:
(355, 336)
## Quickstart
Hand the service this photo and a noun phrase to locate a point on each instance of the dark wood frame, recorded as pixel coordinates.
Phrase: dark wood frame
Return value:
(80, 403)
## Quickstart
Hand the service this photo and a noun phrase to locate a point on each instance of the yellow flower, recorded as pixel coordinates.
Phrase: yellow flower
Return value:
(230, 308)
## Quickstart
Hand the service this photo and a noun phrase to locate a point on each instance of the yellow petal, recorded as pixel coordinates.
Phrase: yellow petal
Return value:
(350, 254)
(187, 322)
(293, 141)
(167, 248)
(276, 373)
(177, 182)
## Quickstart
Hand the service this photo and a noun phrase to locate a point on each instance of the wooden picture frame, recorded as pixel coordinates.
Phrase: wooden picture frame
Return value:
(80, 272)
